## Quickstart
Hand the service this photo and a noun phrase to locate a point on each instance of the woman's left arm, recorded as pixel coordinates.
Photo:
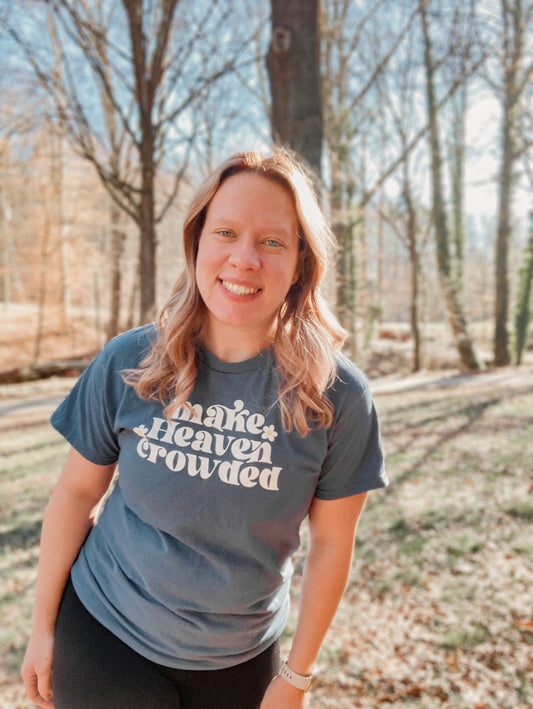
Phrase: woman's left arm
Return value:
(332, 527)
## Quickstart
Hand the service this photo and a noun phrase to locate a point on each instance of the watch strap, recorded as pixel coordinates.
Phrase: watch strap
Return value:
(302, 682)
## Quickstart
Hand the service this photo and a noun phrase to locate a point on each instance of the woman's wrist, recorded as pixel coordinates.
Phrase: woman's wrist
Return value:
(300, 681)
(301, 662)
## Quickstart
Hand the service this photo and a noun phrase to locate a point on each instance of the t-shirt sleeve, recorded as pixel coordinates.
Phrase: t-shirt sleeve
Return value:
(86, 418)
(354, 462)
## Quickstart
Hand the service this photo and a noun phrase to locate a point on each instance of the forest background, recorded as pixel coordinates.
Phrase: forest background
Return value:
(414, 117)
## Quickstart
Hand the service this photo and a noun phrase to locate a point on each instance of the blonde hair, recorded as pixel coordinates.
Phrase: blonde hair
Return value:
(307, 333)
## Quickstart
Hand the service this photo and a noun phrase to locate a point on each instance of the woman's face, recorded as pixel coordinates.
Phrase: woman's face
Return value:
(247, 260)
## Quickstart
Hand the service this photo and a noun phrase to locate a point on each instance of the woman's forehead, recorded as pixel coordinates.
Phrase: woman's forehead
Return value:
(254, 197)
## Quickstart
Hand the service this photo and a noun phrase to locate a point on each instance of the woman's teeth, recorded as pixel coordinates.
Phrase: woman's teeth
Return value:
(239, 290)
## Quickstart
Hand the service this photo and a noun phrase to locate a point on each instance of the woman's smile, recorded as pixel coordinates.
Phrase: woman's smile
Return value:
(237, 289)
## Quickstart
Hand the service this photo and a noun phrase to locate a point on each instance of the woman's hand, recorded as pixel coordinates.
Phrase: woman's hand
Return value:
(36, 670)
(282, 695)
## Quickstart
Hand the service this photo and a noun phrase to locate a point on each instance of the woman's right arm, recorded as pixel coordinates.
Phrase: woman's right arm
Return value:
(69, 516)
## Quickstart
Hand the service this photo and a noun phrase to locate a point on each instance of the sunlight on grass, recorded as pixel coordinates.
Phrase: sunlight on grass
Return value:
(31, 456)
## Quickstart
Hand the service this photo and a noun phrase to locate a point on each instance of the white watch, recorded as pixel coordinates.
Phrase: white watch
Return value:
(302, 682)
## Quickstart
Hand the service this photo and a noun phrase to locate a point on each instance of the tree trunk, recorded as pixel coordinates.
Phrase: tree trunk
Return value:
(458, 151)
(117, 236)
(513, 50)
(60, 225)
(148, 75)
(97, 291)
(117, 245)
(414, 261)
(414, 315)
(148, 242)
(58, 183)
(501, 302)
(5, 246)
(523, 301)
(344, 228)
(41, 302)
(293, 64)
(346, 283)
(453, 304)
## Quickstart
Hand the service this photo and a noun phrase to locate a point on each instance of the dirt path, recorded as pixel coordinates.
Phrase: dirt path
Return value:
(506, 378)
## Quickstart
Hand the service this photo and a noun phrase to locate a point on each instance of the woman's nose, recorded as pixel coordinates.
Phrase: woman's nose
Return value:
(245, 255)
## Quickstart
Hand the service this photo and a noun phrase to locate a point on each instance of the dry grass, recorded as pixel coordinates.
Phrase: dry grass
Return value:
(439, 609)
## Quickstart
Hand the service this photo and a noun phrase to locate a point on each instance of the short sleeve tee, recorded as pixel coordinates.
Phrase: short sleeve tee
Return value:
(190, 560)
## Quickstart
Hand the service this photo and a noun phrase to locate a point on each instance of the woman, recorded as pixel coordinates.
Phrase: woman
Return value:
(230, 421)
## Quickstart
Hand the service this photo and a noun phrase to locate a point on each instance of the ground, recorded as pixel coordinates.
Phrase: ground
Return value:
(438, 611)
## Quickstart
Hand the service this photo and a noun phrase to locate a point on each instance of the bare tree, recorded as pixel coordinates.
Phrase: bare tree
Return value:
(6, 247)
(459, 105)
(146, 90)
(517, 70)
(523, 301)
(57, 174)
(352, 62)
(452, 299)
(406, 217)
(293, 63)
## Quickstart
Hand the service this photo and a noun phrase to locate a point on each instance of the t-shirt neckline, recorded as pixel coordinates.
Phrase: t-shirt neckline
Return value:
(246, 365)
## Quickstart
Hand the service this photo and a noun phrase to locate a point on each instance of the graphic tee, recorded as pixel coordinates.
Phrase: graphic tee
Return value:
(190, 560)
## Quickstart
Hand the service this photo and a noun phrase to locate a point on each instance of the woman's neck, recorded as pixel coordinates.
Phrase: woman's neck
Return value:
(234, 345)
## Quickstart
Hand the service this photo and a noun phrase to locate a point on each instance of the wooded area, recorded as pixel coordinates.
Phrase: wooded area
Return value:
(414, 116)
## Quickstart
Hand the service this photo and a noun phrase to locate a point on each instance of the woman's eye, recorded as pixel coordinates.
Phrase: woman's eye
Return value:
(273, 242)
(225, 232)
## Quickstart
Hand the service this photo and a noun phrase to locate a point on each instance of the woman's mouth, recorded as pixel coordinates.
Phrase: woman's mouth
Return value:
(239, 290)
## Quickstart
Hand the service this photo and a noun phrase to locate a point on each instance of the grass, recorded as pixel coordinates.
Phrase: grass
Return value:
(31, 455)
(465, 638)
(522, 510)
(437, 612)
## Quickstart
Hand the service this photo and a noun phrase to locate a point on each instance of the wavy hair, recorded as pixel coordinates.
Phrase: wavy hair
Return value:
(307, 334)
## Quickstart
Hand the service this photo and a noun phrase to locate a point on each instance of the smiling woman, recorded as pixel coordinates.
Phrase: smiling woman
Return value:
(231, 420)
(247, 260)
(267, 193)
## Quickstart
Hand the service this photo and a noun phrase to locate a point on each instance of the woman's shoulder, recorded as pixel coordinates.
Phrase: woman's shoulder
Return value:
(350, 382)
(349, 374)
(130, 347)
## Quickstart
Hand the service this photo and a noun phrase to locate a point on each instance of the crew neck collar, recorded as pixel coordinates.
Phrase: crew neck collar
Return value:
(246, 365)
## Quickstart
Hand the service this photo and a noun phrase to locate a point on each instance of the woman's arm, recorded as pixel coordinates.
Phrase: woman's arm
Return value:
(332, 527)
(68, 518)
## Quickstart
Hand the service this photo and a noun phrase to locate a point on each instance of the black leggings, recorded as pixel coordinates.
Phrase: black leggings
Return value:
(93, 669)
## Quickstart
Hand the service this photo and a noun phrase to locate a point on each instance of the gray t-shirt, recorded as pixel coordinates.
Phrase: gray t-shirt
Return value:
(189, 563)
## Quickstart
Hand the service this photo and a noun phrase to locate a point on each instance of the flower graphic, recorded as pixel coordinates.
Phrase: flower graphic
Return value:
(141, 431)
(269, 433)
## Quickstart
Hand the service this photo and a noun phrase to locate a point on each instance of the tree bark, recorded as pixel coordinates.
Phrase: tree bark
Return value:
(117, 245)
(58, 184)
(147, 78)
(293, 64)
(43, 281)
(453, 304)
(414, 261)
(6, 266)
(523, 301)
(117, 236)
(512, 59)
(458, 152)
